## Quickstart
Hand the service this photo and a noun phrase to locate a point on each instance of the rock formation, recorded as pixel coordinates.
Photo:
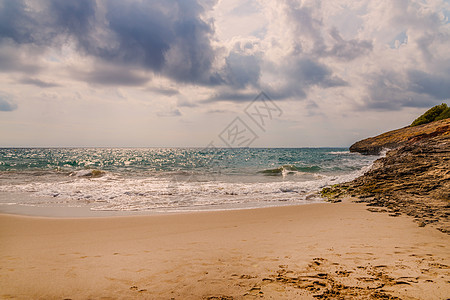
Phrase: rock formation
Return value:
(413, 178)
(396, 138)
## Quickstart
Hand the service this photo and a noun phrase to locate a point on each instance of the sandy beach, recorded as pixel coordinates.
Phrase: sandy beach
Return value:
(299, 252)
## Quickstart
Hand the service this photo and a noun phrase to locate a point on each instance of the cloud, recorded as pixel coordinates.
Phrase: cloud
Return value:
(316, 36)
(231, 95)
(183, 102)
(76, 19)
(171, 38)
(164, 91)
(16, 23)
(347, 49)
(37, 82)
(47, 22)
(219, 111)
(171, 113)
(391, 90)
(306, 24)
(305, 49)
(309, 72)
(242, 70)
(437, 86)
(298, 74)
(142, 31)
(22, 60)
(369, 73)
(245, 8)
(166, 37)
(111, 76)
(6, 104)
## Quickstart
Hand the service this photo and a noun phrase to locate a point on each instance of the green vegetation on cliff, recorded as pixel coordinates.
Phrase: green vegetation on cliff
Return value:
(444, 115)
(436, 113)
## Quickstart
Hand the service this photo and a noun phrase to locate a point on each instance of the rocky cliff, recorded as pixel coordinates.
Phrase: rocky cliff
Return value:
(396, 138)
(412, 179)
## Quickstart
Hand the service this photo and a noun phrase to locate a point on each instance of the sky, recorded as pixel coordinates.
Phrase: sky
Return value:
(167, 73)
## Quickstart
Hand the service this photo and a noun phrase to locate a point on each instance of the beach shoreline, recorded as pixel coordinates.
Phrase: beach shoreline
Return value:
(321, 250)
(48, 210)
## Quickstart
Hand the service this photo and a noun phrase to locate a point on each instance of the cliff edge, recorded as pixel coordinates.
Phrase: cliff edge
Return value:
(399, 137)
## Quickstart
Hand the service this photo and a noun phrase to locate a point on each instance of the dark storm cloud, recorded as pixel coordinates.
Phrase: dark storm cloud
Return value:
(290, 90)
(231, 95)
(166, 37)
(43, 22)
(191, 55)
(143, 30)
(433, 85)
(6, 104)
(242, 70)
(76, 18)
(16, 22)
(391, 91)
(37, 82)
(308, 72)
(299, 73)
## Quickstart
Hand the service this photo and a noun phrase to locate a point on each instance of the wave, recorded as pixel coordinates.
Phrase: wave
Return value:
(91, 173)
(113, 192)
(339, 152)
(289, 170)
(176, 179)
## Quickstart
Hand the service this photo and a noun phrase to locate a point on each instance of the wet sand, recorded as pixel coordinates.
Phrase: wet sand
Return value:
(299, 252)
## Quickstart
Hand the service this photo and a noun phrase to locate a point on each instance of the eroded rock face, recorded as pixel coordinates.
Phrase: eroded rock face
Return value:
(396, 138)
(412, 179)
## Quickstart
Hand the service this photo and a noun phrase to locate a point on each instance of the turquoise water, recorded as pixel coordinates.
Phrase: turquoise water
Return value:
(173, 179)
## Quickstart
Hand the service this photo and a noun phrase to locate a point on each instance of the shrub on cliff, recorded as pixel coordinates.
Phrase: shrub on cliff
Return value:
(438, 112)
(444, 115)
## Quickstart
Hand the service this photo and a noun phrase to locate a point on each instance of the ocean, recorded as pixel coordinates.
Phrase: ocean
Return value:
(161, 180)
